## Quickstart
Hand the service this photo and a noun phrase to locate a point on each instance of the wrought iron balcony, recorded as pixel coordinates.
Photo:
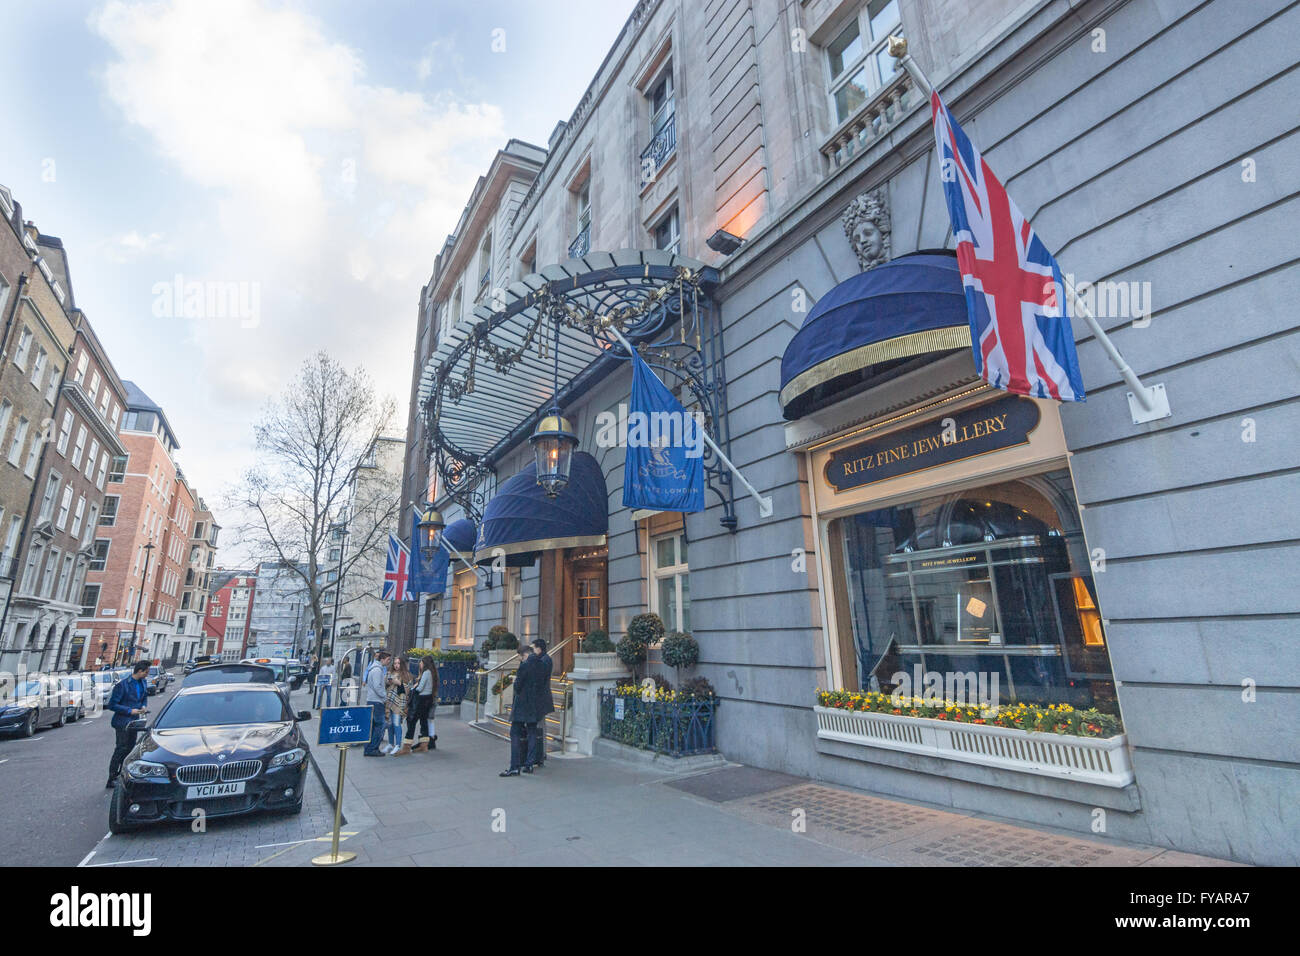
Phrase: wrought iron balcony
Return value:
(580, 246)
(663, 145)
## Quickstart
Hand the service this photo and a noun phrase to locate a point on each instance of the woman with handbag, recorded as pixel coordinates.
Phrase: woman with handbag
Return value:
(421, 703)
(399, 681)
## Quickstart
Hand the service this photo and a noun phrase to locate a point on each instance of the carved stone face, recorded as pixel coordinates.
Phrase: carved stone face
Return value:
(868, 242)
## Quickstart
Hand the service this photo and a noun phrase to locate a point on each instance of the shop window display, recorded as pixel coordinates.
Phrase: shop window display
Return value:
(992, 579)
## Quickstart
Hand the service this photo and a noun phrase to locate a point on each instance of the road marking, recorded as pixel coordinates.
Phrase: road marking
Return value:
(6, 760)
(86, 859)
(150, 859)
(345, 833)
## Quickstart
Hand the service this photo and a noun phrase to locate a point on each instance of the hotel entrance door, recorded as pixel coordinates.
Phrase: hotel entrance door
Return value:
(579, 577)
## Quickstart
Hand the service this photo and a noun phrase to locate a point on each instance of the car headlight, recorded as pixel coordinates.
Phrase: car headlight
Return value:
(288, 758)
(146, 770)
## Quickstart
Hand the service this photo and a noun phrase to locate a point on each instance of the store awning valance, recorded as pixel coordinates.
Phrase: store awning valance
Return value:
(521, 520)
(910, 306)
(461, 535)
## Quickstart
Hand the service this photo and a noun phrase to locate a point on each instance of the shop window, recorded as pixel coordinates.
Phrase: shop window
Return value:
(993, 580)
(670, 581)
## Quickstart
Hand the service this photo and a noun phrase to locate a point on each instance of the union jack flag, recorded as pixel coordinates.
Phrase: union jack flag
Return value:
(397, 572)
(1015, 296)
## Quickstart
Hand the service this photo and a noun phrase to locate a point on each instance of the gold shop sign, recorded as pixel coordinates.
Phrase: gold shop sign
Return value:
(993, 426)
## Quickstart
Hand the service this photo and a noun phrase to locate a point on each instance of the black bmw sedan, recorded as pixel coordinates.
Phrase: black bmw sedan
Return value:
(221, 748)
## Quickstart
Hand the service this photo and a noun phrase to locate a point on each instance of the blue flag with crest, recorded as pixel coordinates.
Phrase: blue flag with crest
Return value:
(664, 467)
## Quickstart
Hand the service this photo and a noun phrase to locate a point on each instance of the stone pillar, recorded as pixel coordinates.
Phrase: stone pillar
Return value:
(591, 674)
(501, 704)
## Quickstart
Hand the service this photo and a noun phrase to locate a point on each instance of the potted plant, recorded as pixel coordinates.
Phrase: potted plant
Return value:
(680, 650)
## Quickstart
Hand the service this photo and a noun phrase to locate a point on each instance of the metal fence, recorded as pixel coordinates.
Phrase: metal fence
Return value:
(675, 727)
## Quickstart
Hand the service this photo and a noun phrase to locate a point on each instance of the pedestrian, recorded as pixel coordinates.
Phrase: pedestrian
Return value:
(345, 682)
(325, 684)
(547, 701)
(377, 698)
(130, 699)
(313, 668)
(421, 704)
(399, 683)
(524, 713)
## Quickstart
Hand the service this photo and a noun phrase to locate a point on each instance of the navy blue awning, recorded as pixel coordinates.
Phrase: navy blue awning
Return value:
(909, 306)
(461, 535)
(521, 520)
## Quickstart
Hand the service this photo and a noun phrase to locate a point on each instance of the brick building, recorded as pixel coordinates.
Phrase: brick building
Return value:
(132, 565)
(198, 578)
(229, 614)
(37, 557)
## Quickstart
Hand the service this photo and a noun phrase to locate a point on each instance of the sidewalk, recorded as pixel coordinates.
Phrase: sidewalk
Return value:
(449, 808)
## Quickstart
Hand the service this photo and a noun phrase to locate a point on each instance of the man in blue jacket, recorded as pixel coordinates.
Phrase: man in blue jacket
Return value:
(130, 699)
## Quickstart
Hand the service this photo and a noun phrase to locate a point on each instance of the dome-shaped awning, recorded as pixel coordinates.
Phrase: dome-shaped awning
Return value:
(910, 306)
(521, 520)
(461, 535)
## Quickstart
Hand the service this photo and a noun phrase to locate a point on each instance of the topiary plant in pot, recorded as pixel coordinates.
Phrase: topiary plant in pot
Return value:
(632, 652)
(597, 642)
(648, 629)
(680, 650)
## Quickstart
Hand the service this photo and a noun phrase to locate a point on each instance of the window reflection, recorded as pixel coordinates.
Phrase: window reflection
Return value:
(993, 579)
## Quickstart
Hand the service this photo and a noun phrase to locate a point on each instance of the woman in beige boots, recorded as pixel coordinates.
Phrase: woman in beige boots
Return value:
(422, 703)
(399, 685)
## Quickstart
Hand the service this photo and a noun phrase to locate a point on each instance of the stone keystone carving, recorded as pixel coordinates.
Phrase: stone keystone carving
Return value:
(866, 223)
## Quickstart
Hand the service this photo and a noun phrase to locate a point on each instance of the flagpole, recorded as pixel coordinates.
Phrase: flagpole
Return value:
(764, 502)
(1146, 403)
(478, 572)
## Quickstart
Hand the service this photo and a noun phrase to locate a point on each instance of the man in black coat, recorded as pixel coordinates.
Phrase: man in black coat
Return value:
(525, 713)
(547, 668)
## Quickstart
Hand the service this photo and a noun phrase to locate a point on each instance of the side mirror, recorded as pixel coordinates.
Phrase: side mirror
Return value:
(304, 715)
(140, 723)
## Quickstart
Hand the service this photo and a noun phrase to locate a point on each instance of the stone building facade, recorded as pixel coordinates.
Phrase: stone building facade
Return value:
(1148, 142)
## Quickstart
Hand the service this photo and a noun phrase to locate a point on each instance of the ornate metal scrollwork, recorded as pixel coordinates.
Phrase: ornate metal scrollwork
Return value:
(670, 319)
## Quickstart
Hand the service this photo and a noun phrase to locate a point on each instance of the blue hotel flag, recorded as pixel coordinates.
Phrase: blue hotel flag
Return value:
(664, 467)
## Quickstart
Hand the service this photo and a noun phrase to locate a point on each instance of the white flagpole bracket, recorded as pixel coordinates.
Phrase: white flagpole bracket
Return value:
(478, 572)
(1146, 403)
(764, 501)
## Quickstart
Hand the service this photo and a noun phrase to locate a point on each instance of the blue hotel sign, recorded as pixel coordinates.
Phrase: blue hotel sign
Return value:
(993, 426)
(345, 725)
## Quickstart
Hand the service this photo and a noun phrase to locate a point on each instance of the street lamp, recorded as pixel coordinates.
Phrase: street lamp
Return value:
(553, 442)
(144, 578)
(431, 524)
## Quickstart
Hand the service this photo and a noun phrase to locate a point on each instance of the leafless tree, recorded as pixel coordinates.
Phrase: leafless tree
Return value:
(312, 443)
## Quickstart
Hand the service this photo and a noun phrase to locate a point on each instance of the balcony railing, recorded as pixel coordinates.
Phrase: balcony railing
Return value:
(663, 145)
(580, 246)
(873, 119)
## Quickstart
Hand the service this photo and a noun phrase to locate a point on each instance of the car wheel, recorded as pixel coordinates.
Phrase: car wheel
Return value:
(116, 819)
(81, 713)
(29, 725)
(63, 717)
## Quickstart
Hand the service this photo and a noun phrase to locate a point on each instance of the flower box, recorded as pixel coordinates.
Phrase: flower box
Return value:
(1103, 761)
(597, 666)
(678, 727)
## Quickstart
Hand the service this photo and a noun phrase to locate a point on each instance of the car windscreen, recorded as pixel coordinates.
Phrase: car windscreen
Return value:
(230, 674)
(223, 707)
(102, 677)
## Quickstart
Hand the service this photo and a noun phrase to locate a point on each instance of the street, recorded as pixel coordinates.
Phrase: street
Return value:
(449, 807)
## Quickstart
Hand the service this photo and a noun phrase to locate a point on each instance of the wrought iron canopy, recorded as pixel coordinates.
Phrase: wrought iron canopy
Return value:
(545, 337)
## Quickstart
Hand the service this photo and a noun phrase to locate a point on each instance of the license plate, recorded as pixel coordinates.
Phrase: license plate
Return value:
(214, 790)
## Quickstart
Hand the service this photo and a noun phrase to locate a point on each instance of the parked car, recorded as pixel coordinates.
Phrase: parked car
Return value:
(78, 693)
(156, 681)
(103, 683)
(284, 678)
(36, 703)
(226, 749)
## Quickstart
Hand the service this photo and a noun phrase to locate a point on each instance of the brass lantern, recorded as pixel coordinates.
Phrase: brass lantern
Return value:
(431, 524)
(553, 442)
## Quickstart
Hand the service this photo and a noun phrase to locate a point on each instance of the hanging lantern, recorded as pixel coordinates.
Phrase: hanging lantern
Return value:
(431, 524)
(553, 442)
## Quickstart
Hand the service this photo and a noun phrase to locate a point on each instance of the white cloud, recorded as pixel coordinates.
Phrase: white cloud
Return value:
(132, 246)
(331, 192)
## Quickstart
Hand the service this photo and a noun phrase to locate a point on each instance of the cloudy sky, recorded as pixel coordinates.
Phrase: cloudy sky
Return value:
(315, 153)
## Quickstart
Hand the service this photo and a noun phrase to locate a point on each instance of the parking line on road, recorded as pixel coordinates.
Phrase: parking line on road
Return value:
(151, 859)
